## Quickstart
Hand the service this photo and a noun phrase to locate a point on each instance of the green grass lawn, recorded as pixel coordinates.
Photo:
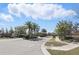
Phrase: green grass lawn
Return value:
(52, 42)
(55, 44)
(59, 52)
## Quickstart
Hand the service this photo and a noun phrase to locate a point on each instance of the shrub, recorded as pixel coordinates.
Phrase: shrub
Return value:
(42, 34)
(67, 38)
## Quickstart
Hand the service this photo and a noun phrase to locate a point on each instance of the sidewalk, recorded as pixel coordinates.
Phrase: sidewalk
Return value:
(65, 48)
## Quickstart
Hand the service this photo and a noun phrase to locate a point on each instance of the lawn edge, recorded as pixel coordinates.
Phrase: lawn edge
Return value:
(43, 49)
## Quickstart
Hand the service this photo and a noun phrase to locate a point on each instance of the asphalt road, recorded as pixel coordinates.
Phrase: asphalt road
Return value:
(21, 47)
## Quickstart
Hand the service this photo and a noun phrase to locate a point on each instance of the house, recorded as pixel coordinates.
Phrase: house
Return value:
(75, 33)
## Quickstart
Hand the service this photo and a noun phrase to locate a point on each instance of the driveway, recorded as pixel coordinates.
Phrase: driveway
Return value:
(21, 47)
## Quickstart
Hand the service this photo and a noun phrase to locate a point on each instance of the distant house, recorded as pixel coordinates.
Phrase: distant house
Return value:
(75, 32)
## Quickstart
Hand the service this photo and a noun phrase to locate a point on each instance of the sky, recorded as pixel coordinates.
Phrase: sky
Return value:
(45, 15)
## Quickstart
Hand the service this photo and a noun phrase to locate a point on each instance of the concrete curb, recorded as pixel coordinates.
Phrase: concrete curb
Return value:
(43, 49)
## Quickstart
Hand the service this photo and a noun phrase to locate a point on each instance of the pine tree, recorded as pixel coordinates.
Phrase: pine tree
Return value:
(6, 33)
(2, 34)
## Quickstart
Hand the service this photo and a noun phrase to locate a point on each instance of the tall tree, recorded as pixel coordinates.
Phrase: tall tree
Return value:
(2, 34)
(6, 33)
(29, 26)
(44, 30)
(11, 31)
(64, 28)
(20, 31)
(35, 28)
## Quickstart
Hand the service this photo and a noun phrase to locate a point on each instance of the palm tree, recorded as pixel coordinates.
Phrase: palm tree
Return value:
(64, 28)
(29, 26)
(35, 28)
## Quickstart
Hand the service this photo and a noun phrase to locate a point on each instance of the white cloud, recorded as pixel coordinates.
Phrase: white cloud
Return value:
(13, 9)
(43, 11)
(6, 17)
